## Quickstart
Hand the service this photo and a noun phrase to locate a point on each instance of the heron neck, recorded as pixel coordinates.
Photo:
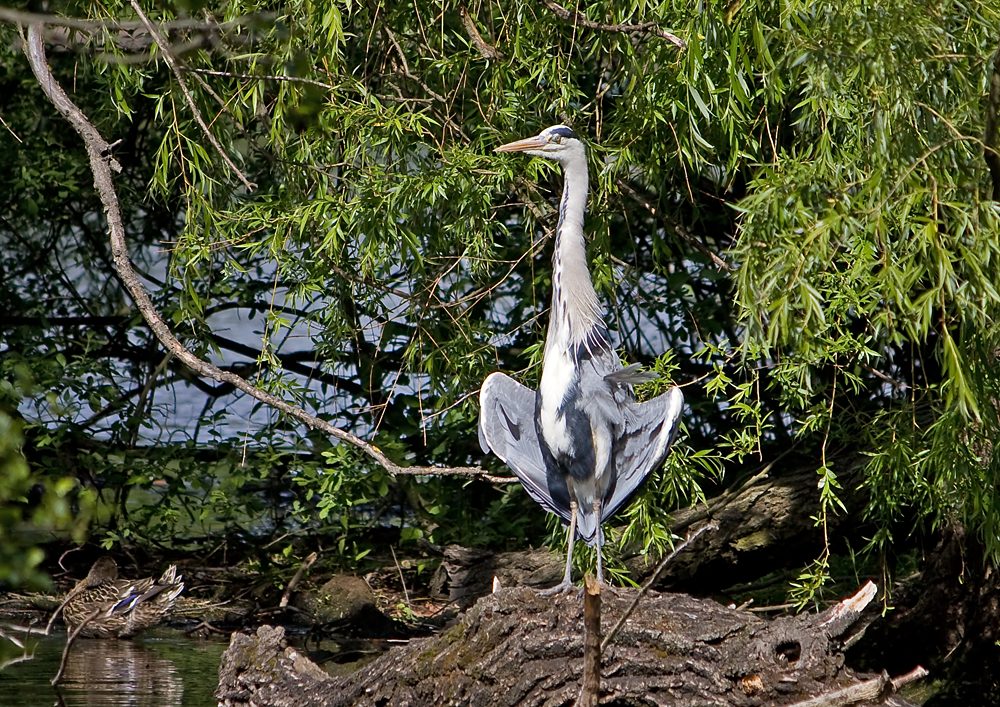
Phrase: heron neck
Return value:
(576, 310)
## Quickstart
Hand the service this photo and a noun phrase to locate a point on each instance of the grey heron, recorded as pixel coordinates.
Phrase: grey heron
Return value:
(582, 444)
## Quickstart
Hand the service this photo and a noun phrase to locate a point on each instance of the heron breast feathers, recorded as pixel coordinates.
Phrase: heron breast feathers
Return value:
(555, 432)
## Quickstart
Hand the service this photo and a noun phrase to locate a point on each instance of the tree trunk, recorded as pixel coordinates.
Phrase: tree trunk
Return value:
(516, 647)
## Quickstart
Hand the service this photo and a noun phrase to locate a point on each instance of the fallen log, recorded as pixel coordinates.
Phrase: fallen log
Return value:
(516, 647)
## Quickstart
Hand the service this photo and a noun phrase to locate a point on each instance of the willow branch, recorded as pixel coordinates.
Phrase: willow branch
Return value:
(132, 35)
(643, 28)
(175, 67)
(102, 165)
(485, 49)
(21, 17)
(675, 227)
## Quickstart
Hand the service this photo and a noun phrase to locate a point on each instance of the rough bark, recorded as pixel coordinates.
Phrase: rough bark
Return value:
(991, 135)
(516, 647)
(470, 571)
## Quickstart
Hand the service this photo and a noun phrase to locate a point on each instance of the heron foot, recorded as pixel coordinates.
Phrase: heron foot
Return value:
(563, 587)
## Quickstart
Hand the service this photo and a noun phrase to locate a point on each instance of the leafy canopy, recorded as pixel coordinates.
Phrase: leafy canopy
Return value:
(795, 208)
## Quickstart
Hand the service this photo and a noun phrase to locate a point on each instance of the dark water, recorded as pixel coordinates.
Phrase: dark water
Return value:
(149, 671)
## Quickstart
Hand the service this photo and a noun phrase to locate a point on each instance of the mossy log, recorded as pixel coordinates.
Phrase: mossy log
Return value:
(766, 522)
(516, 647)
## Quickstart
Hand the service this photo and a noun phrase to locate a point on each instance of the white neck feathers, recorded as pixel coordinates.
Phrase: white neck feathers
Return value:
(576, 311)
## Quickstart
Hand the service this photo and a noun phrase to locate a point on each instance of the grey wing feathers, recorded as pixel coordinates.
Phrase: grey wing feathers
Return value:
(507, 428)
(650, 428)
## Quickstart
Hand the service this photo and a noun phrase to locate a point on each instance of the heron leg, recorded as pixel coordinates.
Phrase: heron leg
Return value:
(567, 582)
(568, 576)
(600, 542)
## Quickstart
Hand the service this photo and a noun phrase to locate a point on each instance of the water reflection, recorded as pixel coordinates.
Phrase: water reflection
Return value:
(121, 673)
(150, 672)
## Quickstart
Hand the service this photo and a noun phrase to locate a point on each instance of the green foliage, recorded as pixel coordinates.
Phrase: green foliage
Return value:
(796, 205)
(29, 511)
(869, 251)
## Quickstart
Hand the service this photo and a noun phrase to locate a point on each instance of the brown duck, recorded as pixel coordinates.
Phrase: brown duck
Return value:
(104, 606)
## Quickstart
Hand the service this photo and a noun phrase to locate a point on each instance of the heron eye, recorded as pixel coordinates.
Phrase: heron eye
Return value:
(556, 139)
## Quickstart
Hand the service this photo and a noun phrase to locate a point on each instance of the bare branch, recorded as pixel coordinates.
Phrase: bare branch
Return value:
(874, 690)
(488, 51)
(70, 638)
(102, 165)
(643, 28)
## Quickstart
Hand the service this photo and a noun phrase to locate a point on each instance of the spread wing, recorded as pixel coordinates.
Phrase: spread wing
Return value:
(650, 428)
(507, 428)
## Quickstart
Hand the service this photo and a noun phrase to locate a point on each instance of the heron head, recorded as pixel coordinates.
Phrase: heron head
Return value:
(558, 143)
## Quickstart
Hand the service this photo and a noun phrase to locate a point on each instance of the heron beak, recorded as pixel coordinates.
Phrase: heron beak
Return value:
(531, 143)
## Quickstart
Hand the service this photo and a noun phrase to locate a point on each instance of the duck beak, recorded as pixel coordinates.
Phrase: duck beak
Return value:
(531, 143)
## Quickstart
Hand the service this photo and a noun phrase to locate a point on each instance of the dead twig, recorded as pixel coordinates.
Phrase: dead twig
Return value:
(72, 637)
(402, 580)
(296, 578)
(873, 690)
(69, 595)
(918, 673)
(206, 626)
